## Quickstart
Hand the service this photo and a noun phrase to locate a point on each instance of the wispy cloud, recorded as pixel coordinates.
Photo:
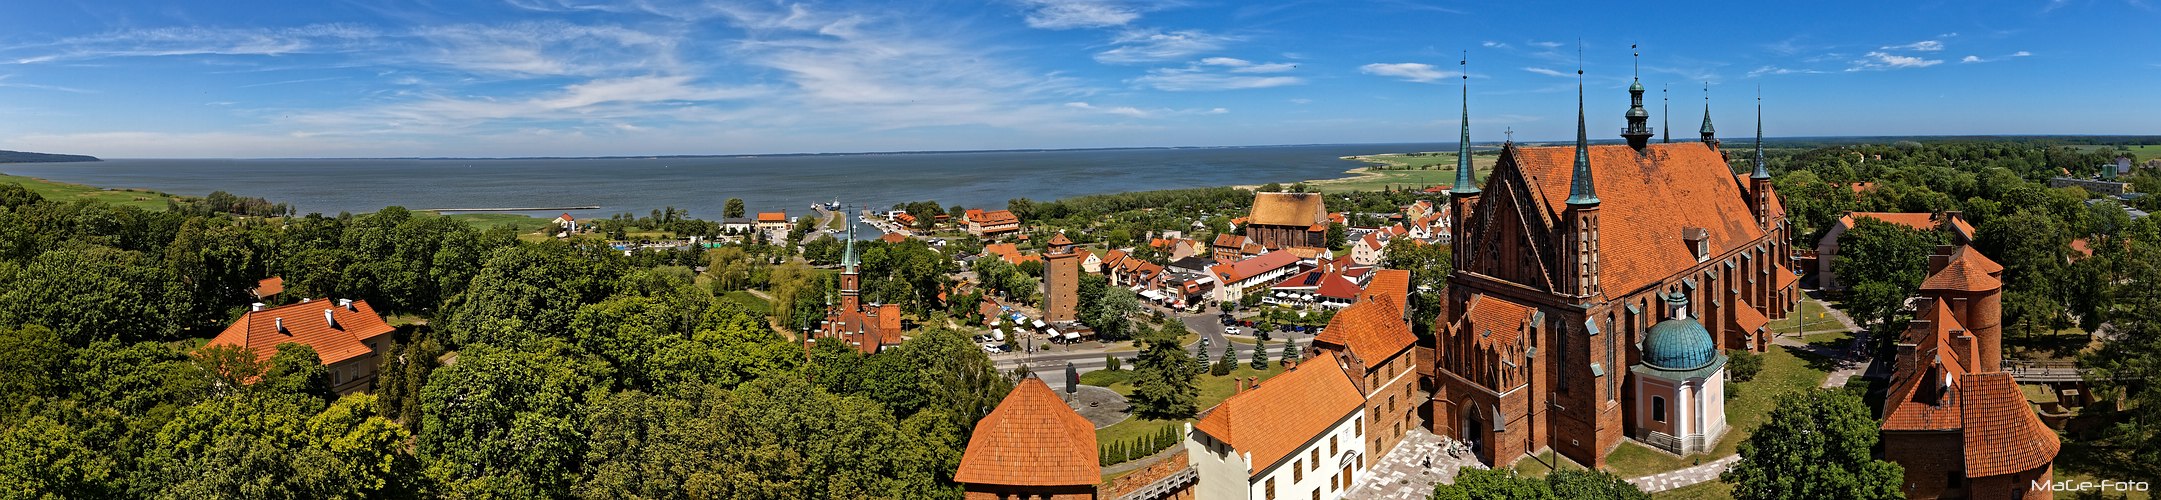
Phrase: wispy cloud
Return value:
(1547, 45)
(1071, 14)
(4, 83)
(1547, 71)
(1884, 61)
(1204, 75)
(1133, 112)
(1141, 46)
(1493, 45)
(1972, 59)
(187, 41)
(1243, 66)
(1775, 70)
(1413, 72)
(1920, 46)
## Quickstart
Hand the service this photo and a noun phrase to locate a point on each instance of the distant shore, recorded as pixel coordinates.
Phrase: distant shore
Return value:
(1398, 170)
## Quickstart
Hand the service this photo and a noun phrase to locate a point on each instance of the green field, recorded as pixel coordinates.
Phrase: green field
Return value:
(1403, 171)
(522, 223)
(756, 305)
(62, 191)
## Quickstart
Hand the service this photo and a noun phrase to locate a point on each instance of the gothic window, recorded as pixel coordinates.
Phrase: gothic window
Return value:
(1658, 408)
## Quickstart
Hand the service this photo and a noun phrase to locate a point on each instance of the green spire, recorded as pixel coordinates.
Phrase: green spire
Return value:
(1707, 131)
(1761, 172)
(1466, 180)
(847, 259)
(1580, 190)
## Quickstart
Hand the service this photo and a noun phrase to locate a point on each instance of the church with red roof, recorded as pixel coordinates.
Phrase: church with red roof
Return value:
(1565, 253)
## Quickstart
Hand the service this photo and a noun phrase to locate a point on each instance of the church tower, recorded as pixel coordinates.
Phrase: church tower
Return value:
(1759, 182)
(1638, 132)
(1061, 280)
(1710, 135)
(1582, 202)
(1464, 194)
(850, 283)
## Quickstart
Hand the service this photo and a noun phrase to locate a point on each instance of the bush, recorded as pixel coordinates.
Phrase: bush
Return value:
(1743, 365)
(1110, 362)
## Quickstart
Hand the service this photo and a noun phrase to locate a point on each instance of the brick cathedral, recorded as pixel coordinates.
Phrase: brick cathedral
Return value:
(1567, 255)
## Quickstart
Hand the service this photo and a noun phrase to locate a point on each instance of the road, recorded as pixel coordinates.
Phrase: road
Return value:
(1050, 365)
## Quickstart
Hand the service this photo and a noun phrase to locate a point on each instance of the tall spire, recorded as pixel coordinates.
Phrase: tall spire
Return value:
(1466, 180)
(1638, 132)
(1761, 172)
(847, 259)
(1580, 190)
(1710, 135)
(1665, 98)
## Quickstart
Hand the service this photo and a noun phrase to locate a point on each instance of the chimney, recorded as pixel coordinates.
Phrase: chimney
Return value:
(329, 318)
(1241, 387)
(258, 306)
(280, 323)
(304, 300)
(348, 305)
(1253, 382)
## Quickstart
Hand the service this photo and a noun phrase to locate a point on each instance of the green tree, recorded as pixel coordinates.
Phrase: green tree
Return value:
(2131, 354)
(1489, 484)
(1225, 362)
(1260, 357)
(296, 370)
(43, 458)
(33, 366)
(729, 268)
(2031, 246)
(1430, 266)
(1600, 485)
(1290, 351)
(1884, 264)
(1163, 387)
(1816, 445)
(733, 209)
(1743, 365)
(504, 423)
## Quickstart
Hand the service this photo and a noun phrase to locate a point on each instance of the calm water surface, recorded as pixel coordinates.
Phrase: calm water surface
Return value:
(703, 185)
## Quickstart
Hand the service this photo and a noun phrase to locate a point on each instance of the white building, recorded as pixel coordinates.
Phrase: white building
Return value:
(1680, 385)
(1253, 274)
(1297, 436)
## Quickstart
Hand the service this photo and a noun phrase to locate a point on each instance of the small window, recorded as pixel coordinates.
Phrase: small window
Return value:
(1358, 427)
(1316, 494)
(1298, 471)
(1333, 446)
(1315, 462)
(1658, 408)
(1271, 489)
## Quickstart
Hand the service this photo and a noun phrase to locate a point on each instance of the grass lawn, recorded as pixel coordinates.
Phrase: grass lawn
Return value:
(756, 305)
(519, 222)
(61, 191)
(1213, 390)
(1710, 490)
(1830, 340)
(1404, 171)
(1784, 371)
(1811, 318)
(2091, 462)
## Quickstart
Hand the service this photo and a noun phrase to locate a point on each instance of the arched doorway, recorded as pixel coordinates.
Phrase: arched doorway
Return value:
(1474, 430)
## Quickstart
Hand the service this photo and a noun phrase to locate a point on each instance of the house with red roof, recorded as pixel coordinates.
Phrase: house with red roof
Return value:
(565, 224)
(1953, 418)
(1374, 345)
(1252, 275)
(1010, 252)
(773, 221)
(1298, 435)
(270, 287)
(1827, 248)
(992, 223)
(1032, 445)
(1369, 250)
(1325, 285)
(346, 335)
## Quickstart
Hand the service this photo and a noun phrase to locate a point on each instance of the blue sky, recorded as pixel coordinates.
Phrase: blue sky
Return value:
(257, 78)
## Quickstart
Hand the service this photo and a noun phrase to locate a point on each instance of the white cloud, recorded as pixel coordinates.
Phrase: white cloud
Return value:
(1978, 59)
(1547, 72)
(1204, 75)
(1133, 112)
(1415, 72)
(1920, 46)
(1493, 45)
(2021, 54)
(1243, 66)
(1070, 14)
(1970, 59)
(1883, 61)
(1139, 46)
(1774, 70)
(1548, 45)
(56, 88)
(194, 41)
(1301, 101)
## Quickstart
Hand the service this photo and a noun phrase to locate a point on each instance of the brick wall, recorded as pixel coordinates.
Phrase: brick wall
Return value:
(1930, 458)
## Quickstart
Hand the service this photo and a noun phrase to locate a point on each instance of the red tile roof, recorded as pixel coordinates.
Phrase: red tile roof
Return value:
(1230, 240)
(1372, 330)
(772, 217)
(995, 218)
(1911, 406)
(258, 331)
(1284, 413)
(1010, 253)
(1227, 274)
(1785, 278)
(1746, 318)
(1965, 273)
(1032, 439)
(1059, 239)
(1289, 209)
(2002, 433)
(1394, 284)
(1648, 199)
(893, 238)
(276, 284)
(1494, 321)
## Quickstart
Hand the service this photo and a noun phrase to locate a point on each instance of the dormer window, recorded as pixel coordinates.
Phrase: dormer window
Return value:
(1698, 241)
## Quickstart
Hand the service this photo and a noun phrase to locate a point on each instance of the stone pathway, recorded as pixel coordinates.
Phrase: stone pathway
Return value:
(1402, 474)
(1685, 477)
(1848, 367)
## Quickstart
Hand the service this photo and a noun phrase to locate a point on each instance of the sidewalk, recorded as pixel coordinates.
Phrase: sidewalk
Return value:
(1685, 477)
